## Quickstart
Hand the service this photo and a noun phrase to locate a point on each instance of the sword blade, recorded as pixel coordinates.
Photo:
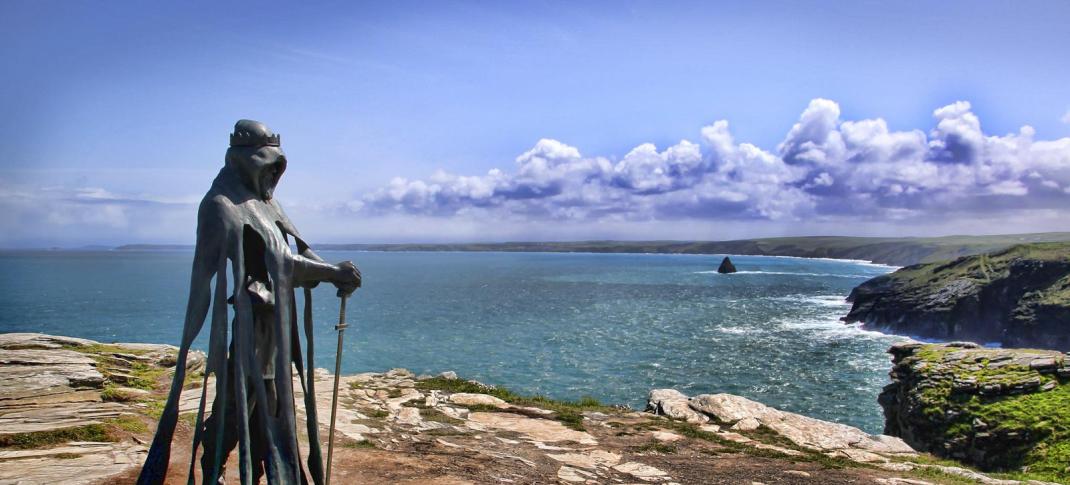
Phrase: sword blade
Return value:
(341, 327)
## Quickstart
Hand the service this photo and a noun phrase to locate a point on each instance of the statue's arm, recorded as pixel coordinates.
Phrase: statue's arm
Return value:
(310, 269)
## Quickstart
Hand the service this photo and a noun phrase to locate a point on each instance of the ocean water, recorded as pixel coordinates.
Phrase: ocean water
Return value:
(610, 326)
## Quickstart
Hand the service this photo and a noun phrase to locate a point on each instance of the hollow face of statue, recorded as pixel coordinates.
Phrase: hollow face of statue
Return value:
(244, 237)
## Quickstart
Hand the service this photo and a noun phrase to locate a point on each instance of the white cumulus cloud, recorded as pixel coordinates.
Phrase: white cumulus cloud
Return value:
(826, 168)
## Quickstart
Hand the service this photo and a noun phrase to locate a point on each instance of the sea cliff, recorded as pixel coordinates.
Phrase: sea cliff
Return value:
(1018, 297)
(998, 409)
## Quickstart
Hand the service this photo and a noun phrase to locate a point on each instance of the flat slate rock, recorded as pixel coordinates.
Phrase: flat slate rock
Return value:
(46, 384)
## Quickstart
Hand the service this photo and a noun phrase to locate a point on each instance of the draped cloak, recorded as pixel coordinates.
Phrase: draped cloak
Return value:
(237, 231)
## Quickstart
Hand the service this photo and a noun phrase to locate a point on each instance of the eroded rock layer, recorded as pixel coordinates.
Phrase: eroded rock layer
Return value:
(1000, 409)
(1019, 297)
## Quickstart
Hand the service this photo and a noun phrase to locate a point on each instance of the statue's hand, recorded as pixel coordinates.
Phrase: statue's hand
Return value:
(346, 278)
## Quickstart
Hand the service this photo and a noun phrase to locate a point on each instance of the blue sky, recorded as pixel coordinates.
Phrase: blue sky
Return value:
(457, 121)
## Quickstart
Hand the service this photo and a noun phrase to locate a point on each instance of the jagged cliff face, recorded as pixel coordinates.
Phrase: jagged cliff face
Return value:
(1019, 297)
(999, 409)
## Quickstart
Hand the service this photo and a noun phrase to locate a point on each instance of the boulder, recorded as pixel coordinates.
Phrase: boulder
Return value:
(726, 266)
(674, 404)
(747, 415)
(472, 399)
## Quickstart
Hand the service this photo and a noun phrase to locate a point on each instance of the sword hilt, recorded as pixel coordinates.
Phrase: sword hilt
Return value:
(342, 311)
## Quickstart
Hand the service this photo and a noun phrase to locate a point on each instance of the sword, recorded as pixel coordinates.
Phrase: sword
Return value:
(341, 328)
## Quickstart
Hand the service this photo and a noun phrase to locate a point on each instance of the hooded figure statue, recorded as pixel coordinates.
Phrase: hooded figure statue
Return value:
(243, 236)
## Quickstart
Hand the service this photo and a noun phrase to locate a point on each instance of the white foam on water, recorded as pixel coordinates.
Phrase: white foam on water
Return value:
(828, 327)
(860, 262)
(739, 330)
(796, 273)
(819, 300)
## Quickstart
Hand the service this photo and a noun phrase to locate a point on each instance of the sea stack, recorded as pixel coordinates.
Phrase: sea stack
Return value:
(726, 266)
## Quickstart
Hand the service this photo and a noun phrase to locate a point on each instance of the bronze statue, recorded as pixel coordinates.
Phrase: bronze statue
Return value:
(239, 221)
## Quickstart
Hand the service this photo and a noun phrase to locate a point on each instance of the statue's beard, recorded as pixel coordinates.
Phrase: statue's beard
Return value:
(269, 178)
(267, 186)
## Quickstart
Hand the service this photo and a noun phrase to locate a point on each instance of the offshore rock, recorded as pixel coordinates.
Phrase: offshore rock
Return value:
(726, 266)
(999, 409)
(1019, 297)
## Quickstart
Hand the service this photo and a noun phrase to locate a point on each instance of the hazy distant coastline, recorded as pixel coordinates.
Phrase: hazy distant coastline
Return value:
(885, 250)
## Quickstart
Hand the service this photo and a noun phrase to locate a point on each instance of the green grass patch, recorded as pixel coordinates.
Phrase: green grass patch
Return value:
(141, 375)
(105, 349)
(188, 418)
(940, 476)
(113, 393)
(129, 423)
(568, 413)
(656, 447)
(570, 419)
(355, 444)
(442, 432)
(1039, 419)
(41, 439)
(193, 379)
(377, 413)
(432, 414)
(154, 409)
(764, 436)
(145, 376)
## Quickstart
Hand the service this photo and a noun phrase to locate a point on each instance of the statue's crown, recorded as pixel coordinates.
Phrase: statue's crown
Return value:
(249, 133)
(246, 139)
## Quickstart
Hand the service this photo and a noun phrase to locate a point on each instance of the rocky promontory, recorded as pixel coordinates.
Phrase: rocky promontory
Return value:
(1018, 297)
(999, 409)
(75, 411)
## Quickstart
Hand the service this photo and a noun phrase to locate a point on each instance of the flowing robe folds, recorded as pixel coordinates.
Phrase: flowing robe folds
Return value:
(243, 244)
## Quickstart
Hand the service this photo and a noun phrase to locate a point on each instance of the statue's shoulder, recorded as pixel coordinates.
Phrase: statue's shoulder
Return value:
(216, 203)
(217, 208)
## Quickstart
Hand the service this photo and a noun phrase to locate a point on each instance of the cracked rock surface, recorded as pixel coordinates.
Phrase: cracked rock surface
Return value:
(396, 427)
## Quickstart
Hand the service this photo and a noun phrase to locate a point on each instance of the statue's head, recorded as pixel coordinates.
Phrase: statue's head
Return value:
(255, 155)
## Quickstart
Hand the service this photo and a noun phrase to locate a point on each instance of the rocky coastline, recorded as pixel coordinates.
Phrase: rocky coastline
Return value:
(1018, 297)
(74, 411)
(998, 409)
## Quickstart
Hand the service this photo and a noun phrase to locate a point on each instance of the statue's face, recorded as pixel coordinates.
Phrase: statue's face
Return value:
(272, 162)
(261, 168)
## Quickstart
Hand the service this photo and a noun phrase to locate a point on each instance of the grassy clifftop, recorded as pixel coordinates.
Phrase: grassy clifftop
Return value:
(1000, 409)
(1019, 296)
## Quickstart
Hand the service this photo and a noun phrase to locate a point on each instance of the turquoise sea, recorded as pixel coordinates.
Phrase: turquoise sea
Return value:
(611, 326)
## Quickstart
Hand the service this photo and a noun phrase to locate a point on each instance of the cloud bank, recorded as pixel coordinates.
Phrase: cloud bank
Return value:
(826, 168)
(827, 176)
